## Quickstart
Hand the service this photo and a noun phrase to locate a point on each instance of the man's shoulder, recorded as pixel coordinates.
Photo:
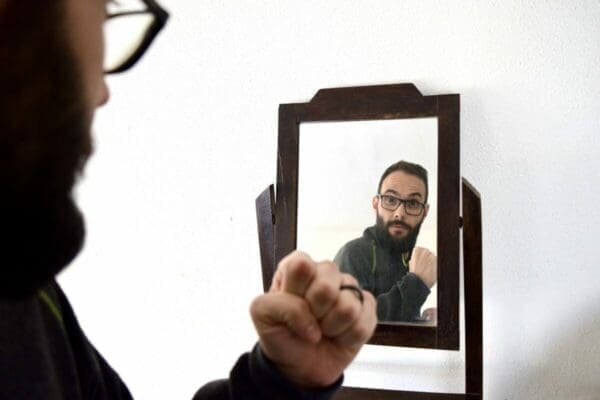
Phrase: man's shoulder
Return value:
(361, 244)
(358, 243)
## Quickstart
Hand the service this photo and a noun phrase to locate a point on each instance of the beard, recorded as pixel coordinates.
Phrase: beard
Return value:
(44, 144)
(398, 245)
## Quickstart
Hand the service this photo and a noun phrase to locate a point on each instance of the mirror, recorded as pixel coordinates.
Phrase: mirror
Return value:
(339, 168)
(332, 152)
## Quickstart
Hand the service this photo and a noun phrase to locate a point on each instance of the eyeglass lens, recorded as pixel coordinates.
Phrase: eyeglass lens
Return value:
(411, 206)
(123, 36)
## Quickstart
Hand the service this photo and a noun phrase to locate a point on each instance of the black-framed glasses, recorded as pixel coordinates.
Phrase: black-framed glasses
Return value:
(411, 206)
(130, 28)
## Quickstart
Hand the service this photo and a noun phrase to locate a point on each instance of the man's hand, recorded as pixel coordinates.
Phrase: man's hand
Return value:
(423, 263)
(309, 327)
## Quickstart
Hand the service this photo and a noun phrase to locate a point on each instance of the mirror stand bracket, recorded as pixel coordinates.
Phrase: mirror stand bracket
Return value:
(473, 265)
(265, 218)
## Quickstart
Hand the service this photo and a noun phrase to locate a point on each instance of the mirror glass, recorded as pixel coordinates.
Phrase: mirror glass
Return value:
(340, 167)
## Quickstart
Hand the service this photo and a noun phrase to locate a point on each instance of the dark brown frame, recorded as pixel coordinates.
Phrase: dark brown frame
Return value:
(398, 101)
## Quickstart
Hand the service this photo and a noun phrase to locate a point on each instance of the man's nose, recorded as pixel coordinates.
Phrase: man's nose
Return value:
(399, 213)
(104, 94)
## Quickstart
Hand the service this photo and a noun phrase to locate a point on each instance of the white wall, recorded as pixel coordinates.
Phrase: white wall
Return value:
(189, 139)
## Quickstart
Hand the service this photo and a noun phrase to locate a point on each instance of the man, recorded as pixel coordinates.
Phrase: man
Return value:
(52, 80)
(385, 260)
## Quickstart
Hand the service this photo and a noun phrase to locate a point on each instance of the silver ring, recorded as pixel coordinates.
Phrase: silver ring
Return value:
(356, 291)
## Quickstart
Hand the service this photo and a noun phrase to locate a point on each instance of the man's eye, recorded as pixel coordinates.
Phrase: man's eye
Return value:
(390, 200)
(413, 204)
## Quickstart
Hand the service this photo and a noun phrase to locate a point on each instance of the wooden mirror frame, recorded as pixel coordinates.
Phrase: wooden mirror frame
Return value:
(400, 101)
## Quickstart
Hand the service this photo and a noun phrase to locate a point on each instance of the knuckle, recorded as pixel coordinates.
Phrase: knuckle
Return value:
(350, 279)
(293, 258)
(299, 269)
(296, 312)
(370, 301)
(299, 254)
(330, 265)
(324, 291)
(256, 305)
(347, 311)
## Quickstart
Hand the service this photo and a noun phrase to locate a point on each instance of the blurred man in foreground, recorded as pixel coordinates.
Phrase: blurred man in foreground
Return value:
(312, 322)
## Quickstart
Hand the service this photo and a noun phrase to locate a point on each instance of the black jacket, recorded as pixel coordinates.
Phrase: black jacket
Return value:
(400, 294)
(44, 354)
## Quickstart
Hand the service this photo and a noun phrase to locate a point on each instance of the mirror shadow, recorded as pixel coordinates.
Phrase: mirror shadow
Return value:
(367, 198)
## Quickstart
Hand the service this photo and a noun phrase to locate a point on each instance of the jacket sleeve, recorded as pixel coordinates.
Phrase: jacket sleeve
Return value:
(404, 300)
(255, 377)
(98, 380)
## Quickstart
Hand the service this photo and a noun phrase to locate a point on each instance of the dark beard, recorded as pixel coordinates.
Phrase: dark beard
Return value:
(397, 245)
(44, 143)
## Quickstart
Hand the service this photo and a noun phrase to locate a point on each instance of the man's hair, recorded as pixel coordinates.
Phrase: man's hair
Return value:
(409, 168)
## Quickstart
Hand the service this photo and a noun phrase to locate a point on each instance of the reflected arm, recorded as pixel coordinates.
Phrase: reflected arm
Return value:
(403, 301)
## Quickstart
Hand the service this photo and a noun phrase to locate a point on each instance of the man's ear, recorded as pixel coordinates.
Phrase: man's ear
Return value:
(426, 211)
(375, 203)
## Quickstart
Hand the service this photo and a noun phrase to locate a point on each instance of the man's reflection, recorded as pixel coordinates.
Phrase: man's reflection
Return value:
(385, 260)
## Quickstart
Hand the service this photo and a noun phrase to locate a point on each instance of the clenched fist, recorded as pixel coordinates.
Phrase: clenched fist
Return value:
(309, 327)
(423, 263)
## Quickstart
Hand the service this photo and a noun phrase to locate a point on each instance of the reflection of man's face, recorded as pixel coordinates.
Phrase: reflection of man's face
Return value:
(50, 89)
(401, 228)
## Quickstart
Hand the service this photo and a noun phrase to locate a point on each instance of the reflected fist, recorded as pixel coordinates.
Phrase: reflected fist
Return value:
(423, 263)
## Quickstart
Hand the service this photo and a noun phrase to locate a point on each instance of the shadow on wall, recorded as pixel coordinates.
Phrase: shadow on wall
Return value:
(568, 368)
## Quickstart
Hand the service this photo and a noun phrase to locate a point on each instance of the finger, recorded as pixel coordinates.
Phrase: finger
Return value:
(364, 326)
(297, 271)
(417, 252)
(324, 289)
(433, 260)
(345, 312)
(433, 276)
(275, 310)
(276, 282)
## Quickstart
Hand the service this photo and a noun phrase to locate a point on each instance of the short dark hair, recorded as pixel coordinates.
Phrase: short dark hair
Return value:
(409, 168)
